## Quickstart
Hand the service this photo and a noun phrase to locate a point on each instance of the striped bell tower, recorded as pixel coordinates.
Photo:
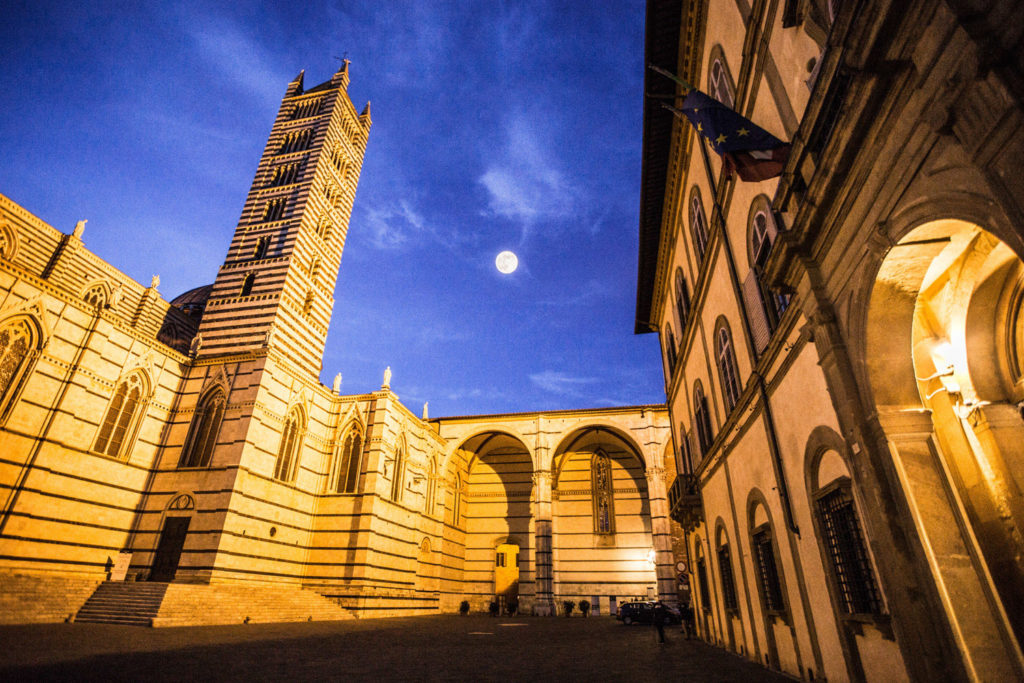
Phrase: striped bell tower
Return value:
(276, 286)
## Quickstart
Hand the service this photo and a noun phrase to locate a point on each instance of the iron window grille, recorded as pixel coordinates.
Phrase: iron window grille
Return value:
(768, 572)
(851, 565)
(728, 584)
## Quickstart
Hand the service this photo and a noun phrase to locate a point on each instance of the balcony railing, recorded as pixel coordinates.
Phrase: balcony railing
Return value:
(685, 502)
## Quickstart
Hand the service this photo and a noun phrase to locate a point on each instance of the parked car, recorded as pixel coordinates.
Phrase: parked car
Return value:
(642, 612)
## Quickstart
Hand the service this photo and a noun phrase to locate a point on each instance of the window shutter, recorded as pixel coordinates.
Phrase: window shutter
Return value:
(759, 326)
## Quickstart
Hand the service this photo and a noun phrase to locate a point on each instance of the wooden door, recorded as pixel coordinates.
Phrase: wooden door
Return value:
(168, 550)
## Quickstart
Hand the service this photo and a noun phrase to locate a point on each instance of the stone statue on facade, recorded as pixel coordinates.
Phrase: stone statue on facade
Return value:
(425, 404)
(387, 378)
(337, 383)
(155, 282)
(79, 228)
(197, 343)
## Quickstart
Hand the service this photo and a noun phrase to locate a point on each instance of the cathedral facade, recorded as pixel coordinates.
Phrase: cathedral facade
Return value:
(190, 441)
(843, 342)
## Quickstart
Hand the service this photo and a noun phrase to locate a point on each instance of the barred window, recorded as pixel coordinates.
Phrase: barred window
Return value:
(699, 227)
(291, 443)
(725, 572)
(702, 582)
(602, 493)
(727, 367)
(847, 552)
(202, 434)
(121, 418)
(768, 573)
(351, 462)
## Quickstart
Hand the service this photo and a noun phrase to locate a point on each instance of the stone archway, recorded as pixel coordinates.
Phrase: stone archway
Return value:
(943, 348)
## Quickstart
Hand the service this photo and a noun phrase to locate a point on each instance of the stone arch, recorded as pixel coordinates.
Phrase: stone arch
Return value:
(770, 580)
(22, 339)
(578, 429)
(940, 305)
(96, 294)
(9, 242)
(481, 431)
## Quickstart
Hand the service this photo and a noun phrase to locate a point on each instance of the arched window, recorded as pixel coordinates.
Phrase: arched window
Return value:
(398, 476)
(262, 244)
(767, 570)
(719, 82)
(17, 341)
(96, 296)
(684, 450)
(702, 416)
(8, 242)
(682, 301)
(727, 366)
(698, 226)
(247, 284)
(602, 493)
(314, 268)
(202, 434)
(350, 464)
(431, 487)
(670, 349)
(291, 445)
(121, 420)
(851, 565)
(729, 600)
(762, 234)
(702, 578)
(457, 501)
(307, 305)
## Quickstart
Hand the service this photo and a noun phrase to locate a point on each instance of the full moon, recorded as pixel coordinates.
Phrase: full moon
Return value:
(506, 262)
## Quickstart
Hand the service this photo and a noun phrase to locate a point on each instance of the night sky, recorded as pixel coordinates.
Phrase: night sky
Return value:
(497, 125)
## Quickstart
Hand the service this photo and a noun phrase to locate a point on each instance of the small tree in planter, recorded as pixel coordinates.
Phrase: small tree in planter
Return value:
(493, 608)
(464, 608)
(585, 607)
(568, 606)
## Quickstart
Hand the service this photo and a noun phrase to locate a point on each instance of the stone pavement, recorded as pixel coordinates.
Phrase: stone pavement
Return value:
(472, 648)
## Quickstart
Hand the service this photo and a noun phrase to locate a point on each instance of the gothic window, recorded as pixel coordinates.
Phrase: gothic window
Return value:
(727, 365)
(761, 235)
(308, 108)
(431, 487)
(307, 305)
(314, 268)
(17, 341)
(121, 420)
(262, 245)
(602, 493)
(682, 301)
(767, 571)
(670, 349)
(247, 284)
(338, 159)
(728, 584)
(96, 296)
(702, 416)
(274, 210)
(324, 228)
(297, 141)
(291, 445)
(699, 226)
(851, 566)
(398, 476)
(720, 84)
(202, 434)
(351, 462)
(457, 501)
(284, 175)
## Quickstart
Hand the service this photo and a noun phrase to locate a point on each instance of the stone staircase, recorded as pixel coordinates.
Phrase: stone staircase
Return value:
(41, 598)
(123, 602)
(194, 605)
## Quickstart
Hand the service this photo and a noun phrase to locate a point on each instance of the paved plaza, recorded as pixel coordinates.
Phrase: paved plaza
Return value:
(471, 648)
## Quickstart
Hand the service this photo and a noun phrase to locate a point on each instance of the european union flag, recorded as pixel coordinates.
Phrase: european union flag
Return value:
(749, 150)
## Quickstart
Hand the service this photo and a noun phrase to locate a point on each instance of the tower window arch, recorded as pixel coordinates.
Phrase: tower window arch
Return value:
(262, 245)
(203, 432)
(398, 476)
(122, 417)
(602, 493)
(727, 370)
(274, 210)
(682, 301)
(247, 282)
(698, 225)
(350, 464)
(702, 416)
(291, 445)
(18, 342)
(720, 84)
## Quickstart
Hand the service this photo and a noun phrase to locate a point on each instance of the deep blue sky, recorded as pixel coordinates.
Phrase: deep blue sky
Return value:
(497, 125)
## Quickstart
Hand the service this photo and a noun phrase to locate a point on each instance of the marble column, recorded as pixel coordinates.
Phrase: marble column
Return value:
(544, 601)
(661, 535)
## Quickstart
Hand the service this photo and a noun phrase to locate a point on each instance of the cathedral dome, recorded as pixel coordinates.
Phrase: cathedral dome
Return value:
(193, 302)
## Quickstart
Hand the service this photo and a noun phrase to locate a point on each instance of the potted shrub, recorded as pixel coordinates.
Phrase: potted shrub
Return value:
(568, 606)
(585, 607)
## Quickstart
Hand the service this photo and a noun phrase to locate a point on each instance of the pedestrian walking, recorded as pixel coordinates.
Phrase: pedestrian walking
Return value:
(660, 615)
(686, 612)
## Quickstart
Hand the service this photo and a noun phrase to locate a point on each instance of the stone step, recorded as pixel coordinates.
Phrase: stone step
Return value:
(123, 603)
(42, 598)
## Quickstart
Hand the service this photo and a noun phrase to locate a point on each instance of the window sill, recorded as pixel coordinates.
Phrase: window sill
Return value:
(879, 622)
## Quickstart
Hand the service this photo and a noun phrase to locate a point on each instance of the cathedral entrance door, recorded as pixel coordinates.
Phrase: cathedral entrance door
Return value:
(168, 550)
(506, 574)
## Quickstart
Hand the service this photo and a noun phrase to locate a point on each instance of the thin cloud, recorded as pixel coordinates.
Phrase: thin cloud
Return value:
(391, 226)
(583, 295)
(524, 182)
(240, 58)
(558, 382)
